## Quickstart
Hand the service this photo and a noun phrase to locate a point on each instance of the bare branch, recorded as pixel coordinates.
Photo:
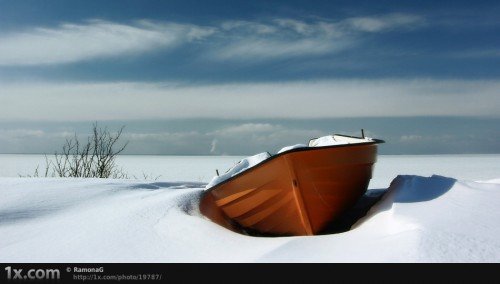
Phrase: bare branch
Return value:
(93, 159)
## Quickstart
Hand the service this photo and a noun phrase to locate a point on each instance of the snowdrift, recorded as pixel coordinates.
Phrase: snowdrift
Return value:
(419, 219)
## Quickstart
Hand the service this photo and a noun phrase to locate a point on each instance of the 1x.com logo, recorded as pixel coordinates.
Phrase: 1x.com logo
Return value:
(32, 274)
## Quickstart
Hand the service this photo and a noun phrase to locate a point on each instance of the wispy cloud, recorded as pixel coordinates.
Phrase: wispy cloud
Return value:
(246, 128)
(260, 49)
(93, 39)
(307, 99)
(248, 27)
(228, 40)
(281, 38)
(19, 134)
(384, 23)
(31, 140)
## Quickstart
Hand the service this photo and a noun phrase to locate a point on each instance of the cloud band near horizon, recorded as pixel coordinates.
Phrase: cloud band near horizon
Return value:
(306, 99)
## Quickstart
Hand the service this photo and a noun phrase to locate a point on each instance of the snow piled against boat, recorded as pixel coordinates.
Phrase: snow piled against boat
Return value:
(241, 166)
(419, 219)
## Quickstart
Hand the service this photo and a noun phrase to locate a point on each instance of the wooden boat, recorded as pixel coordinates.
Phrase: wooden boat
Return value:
(297, 192)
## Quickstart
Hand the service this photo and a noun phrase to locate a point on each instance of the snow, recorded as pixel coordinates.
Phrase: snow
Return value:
(288, 148)
(329, 140)
(325, 141)
(419, 219)
(241, 166)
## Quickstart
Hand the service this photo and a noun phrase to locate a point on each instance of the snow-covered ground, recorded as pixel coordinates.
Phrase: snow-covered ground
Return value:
(419, 219)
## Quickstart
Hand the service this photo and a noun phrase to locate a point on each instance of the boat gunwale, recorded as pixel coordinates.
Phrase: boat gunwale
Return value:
(304, 149)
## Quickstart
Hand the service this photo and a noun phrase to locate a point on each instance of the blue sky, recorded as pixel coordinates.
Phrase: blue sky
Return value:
(251, 76)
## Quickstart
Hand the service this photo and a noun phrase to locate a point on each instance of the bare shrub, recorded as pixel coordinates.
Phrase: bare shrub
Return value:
(95, 158)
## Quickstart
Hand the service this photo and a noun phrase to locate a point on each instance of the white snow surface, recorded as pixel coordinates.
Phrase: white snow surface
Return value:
(326, 141)
(241, 166)
(291, 147)
(419, 219)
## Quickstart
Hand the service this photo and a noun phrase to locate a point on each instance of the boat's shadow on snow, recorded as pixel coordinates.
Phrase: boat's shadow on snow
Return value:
(433, 187)
(358, 211)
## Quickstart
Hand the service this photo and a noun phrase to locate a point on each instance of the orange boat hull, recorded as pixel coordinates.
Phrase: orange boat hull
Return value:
(294, 193)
